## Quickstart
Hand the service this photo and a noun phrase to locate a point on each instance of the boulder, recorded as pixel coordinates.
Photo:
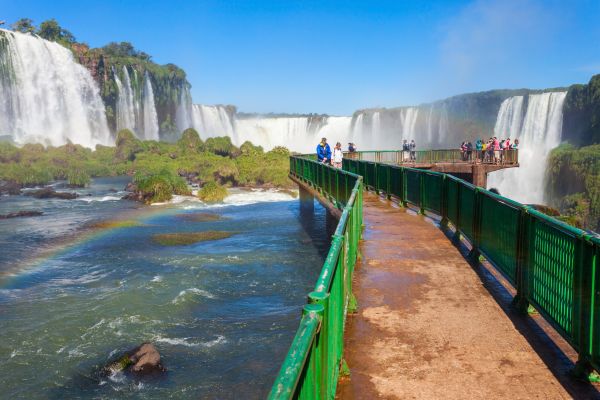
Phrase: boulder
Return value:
(24, 213)
(142, 360)
(49, 193)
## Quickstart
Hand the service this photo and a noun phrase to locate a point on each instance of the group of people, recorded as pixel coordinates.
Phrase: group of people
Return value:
(493, 151)
(326, 156)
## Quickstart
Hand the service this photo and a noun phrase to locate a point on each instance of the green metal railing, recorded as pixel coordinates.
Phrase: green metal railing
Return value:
(504, 157)
(311, 367)
(552, 266)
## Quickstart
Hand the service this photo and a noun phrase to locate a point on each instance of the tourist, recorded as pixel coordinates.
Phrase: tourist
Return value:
(463, 151)
(324, 152)
(515, 145)
(338, 155)
(469, 151)
(413, 153)
(507, 156)
(479, 150)
(351, 147)
(496, 146)
(405, 149)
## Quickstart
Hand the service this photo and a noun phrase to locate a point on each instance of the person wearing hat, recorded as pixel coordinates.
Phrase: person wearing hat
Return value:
(324, 152)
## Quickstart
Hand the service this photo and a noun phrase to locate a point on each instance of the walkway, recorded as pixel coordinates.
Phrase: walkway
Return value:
(429, 328)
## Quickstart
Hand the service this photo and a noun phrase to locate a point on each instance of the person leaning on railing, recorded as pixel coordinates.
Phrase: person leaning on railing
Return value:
(324, 152)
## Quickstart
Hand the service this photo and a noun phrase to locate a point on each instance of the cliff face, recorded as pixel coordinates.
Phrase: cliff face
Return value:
(169, 84)
(581, 122)
(573, 184)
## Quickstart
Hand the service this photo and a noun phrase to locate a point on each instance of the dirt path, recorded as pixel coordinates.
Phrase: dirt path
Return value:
(428, 328)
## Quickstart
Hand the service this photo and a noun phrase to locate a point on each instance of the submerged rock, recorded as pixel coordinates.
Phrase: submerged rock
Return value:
(24, 213)
(185, 238)
(143, 360)
(50, 193)
(11, 188)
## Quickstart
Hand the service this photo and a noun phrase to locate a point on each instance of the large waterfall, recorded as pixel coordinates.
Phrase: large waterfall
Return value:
(45, 96)
(211, 121)
(538, 133)
(128, 104)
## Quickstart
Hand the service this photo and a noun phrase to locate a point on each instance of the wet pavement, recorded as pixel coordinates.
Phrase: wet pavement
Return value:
(432, 326)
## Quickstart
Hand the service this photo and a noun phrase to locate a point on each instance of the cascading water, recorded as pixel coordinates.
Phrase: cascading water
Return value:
(127, 103)
(211, 121)
(540, 132)
(293, 132)
(45, 96)
(150, 116)
(184, 116)
(510, 116)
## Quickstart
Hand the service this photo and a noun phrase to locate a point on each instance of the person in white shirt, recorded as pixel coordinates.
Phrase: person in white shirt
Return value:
(338, 155)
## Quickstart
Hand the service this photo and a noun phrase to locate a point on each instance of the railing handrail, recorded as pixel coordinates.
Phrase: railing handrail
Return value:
(310, 369)
(509, 157)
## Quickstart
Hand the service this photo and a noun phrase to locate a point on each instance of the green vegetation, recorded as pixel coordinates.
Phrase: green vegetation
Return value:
(200, 217)
(212, 192)
(159, 169)
(116, 224)
(573, 184)
(181, 239)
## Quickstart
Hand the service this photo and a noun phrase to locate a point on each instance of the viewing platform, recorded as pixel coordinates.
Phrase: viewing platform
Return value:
(435, 288)
(471, 166)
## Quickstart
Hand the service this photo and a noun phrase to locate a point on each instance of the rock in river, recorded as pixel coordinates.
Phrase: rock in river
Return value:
(24, 213)
(49, 193)
(142, 360)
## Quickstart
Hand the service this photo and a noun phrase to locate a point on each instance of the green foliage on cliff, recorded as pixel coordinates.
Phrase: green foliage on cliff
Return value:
(573, 184)
(581, 111)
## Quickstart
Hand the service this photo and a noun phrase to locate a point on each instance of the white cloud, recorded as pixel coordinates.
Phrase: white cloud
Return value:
(487, 37)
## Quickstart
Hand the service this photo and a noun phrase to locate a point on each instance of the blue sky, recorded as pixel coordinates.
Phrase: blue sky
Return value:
(336, 57)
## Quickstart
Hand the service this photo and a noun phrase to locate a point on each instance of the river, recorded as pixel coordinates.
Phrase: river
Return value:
(222, 313)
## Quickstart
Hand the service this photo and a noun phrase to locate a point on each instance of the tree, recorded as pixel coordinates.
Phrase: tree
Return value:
(51, 30)
(24, 25)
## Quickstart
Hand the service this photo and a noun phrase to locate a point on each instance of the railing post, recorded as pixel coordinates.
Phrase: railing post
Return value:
(444, 202)
(456, 237)
(422, 193)
(520, 300)
(321, 300)
(477, 215)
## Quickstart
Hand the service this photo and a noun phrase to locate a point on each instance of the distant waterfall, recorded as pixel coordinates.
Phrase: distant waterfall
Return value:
(127, 103)
(150, 116)
(211, 121)
(538, 133)
(301, 133)
(45, 96)
(184, 114)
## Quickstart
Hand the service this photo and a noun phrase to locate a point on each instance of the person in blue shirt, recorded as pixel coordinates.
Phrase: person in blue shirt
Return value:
(324, 152)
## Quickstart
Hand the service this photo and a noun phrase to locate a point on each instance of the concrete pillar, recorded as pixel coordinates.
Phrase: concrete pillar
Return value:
(479, 175)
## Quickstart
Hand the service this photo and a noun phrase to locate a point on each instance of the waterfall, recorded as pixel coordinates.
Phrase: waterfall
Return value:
(298, 133)
(540, 132)
(127, 103)
(508, 122)
(211, 121)
(409, 121)
(46, 96)
(150, 116)
(184, 113)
